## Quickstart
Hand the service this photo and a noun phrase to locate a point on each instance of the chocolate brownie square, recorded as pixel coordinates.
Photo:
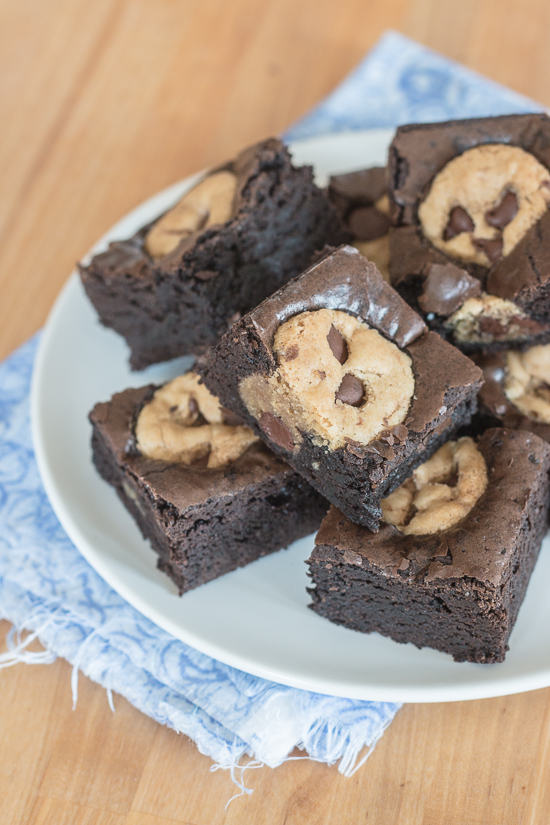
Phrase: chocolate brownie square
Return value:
(234, 238)
(470, 202)
(338, 375)
(457, 588)
(516, 390)
(361, 199)
(203, 489)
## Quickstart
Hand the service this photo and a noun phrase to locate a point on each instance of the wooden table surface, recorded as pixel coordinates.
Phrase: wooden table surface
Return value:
(102, 103)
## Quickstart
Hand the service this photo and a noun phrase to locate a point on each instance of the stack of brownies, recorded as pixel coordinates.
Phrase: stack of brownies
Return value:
(342, 391)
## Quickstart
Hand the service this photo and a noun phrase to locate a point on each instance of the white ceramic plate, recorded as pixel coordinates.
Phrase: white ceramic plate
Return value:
(256, 618)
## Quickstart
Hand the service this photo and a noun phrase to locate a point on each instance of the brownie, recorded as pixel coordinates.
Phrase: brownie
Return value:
(458, 590)
(391, 391)
(453, 304)
(497, 409)
(177, 284)
(203, 522)
(506, 248)
(361, 198)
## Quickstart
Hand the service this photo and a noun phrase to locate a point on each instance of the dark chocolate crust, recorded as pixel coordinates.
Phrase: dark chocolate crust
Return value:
(202, 523)
(418, 152)
(355, 478)
(458, 591)
(180, 304)
(494, 407)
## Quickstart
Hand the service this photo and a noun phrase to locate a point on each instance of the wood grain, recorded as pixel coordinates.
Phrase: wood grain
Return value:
(102, 104)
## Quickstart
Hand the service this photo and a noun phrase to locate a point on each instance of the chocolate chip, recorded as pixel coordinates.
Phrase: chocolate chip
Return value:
(452, 480)
(445, 288)
(193, 407)
(491, 246)
(525, 324)
(337, 344)
(504, 212)
(231, 418)
(513, 324)
(491, 326)
(459, 221)
(277, 431)
(291, 353)
(366, 223)
(322, 374)
(350, 391)
(174, 407)
(542, 391)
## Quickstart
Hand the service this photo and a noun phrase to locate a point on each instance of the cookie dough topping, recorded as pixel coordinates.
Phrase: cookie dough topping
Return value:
(184, 423)
(483, 202)
(337, 379)
(488, 318)
(209, 202)
(527, 382)
(441, 492)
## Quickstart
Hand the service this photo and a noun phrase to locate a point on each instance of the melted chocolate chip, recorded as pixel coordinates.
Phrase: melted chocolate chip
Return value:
(543, 391)
(452, 480)
(277, 431)
(514, 324)
(459, 221)
(291, 353)
(504, 212)
(527, 324)
(445, 288)
(491, 246)
(231, 418)
(491, 326)
(350, 391)
(337, 344)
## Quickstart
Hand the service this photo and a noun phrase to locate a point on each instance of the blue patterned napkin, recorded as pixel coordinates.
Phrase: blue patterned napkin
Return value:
(401, 81)
(47, 587)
